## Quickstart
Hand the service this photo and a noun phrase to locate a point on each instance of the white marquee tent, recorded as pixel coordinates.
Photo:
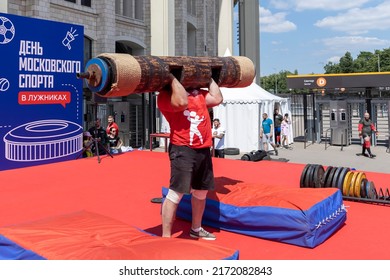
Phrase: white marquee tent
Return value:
(241, 112)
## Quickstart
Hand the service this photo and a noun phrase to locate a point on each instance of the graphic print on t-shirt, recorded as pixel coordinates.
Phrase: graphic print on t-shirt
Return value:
(195, 120)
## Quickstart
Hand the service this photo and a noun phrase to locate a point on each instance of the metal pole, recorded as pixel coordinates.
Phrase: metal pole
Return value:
(379, 63)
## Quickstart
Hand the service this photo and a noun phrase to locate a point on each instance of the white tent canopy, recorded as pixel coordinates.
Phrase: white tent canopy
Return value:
(241, 112)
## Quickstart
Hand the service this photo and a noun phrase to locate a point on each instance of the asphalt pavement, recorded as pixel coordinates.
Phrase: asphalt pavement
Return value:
(348, 156)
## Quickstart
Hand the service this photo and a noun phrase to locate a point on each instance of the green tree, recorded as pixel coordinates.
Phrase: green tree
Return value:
(276, 83)
(364, 63)
(379, 61)
(346, 63)
(332, 68)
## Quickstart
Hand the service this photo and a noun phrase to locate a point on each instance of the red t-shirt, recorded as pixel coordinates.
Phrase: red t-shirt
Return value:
(191, 127)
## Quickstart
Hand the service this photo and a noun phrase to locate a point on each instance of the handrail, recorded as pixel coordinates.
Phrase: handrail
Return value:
(342, 138)
(305, 139)
(326, 137)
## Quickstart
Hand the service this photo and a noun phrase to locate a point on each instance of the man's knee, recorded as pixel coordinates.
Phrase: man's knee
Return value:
(199, 194)
(174, 196)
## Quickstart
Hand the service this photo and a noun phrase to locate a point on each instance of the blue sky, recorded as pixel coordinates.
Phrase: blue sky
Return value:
(304, 35)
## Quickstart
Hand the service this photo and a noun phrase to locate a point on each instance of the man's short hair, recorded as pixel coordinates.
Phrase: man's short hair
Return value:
(216, 120)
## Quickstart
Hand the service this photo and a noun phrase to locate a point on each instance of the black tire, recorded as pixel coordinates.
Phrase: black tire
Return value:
(232, 151)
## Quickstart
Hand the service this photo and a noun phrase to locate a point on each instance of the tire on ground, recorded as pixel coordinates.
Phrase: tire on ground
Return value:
(232, 151)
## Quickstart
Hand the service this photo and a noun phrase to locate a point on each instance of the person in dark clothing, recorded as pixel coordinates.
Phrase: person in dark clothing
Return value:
(365, 128)
(278, 118)
(100, 135)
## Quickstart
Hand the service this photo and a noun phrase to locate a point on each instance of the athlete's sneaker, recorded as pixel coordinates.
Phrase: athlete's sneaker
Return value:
(202, 234)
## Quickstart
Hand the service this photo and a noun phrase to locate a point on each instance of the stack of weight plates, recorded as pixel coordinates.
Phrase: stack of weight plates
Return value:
(351, 183)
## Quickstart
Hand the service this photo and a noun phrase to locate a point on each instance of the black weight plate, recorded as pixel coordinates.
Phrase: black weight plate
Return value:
(309, 175)
(336, 177)
(371, 191)
(319, 172)
(312, 174)
(326, 175)
(363, 190)
(340, 179)
(328, 183)
(303, 175)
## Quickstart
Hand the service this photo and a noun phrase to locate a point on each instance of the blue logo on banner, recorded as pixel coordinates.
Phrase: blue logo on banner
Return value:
(40, 95)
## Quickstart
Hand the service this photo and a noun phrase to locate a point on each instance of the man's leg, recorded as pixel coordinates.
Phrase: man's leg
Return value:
(274, 146)
(265, 142)
(198, 206)
(168, 216)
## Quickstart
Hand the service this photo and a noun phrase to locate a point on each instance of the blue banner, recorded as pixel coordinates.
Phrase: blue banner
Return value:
(41, 99)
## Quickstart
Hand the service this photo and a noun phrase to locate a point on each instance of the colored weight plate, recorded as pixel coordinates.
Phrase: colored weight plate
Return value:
(328, 183)
(351, 190)
(363, 192)
(319, 172)
(326, 175)
(309, 175)
(347, 182)
(371, 191)
(358, 183)
(303, 175)
(336, 177)
(341, 177)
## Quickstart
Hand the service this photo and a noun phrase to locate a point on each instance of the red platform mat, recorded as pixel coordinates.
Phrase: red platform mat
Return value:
(89, 236)
(122, 187)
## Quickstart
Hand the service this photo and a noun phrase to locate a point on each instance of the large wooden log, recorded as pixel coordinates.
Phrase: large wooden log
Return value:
(112, 74)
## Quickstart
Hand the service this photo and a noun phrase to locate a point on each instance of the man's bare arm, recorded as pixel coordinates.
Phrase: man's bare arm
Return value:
(179, 97)
(214, 97)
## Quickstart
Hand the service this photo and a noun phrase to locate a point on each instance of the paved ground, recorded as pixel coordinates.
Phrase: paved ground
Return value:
(334, 156)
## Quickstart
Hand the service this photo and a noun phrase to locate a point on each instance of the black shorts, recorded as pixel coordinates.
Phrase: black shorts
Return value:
(190, 168)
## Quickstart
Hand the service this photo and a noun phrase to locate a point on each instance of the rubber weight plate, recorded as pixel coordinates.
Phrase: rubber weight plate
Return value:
(340, 178)
(309, 175)
(351, 191)
(347, 183)
(319, 172)
(303, 175)
(326, 175)
(358, 183)
(371, 191)
(363, 184)
(328, 183)
(336, 177)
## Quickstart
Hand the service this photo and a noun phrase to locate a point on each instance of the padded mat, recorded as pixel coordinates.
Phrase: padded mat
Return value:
(89, 236)
(301, 216)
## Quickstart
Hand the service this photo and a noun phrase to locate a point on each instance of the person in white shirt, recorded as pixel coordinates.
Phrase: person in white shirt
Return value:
(218, 138)
(285, 130)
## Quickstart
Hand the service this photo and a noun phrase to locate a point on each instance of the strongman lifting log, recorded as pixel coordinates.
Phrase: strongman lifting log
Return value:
(114, 74)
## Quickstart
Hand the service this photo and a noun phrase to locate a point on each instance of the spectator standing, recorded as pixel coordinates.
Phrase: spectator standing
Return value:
(111, 123)
(285, 131)
(365, 129)
(266, 131)
(278, 118)
(218, 138)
